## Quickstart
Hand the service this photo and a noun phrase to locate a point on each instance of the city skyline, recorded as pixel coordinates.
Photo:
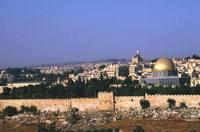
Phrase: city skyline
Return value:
(43, 32)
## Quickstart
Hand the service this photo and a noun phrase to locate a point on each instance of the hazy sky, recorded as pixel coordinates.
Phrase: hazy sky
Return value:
(48, 31)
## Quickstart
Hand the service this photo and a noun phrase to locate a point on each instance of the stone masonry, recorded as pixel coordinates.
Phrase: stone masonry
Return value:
(105, 101)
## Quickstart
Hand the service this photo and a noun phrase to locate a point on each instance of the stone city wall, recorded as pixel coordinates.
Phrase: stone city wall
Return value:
(161, 100)
(41, 104)
(52, 104)
(105, 101)
(127, 102)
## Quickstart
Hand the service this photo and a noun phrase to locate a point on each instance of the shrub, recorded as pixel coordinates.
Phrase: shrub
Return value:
(52, 127)
(171, 103)
(1, 115)
(105, 130)
(10, 111)
(116, 130)
(73, 115)
(183, 105)
(48, 128)
(144, 103)
(42, 128)
(24, 109)
(32, 109)
(138, 129)
(69, 130)
(192, 130)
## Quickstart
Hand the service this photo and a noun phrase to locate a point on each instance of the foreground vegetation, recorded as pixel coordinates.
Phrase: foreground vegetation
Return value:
(91, 88)
(11, 111)
(97, 121)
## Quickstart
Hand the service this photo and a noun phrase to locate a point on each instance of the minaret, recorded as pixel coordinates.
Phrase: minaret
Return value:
(138, 52)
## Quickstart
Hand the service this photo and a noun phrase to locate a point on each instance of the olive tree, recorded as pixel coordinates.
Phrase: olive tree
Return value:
(145, 103)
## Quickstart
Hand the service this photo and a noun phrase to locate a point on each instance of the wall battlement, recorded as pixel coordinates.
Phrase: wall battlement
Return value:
(105, 101)
(175, 95)
(123, 97)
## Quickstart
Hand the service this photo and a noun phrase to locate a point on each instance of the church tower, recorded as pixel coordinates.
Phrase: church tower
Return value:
(137, 58)
(135, 62)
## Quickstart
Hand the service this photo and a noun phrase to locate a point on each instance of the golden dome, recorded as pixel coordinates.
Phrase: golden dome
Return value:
(163, 64)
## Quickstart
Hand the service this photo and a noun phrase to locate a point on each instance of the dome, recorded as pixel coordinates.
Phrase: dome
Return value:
(163, 64)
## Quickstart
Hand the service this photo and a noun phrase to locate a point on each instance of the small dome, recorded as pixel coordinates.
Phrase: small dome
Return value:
(163, 64)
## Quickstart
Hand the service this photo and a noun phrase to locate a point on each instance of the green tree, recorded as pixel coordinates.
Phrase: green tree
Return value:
(196, 90)
(128, 81)
(57, 91)
(6, 92)
(102, 67)
(124, 71)
(10, 111)
(33, 109)
(3, 82)
(24, 109)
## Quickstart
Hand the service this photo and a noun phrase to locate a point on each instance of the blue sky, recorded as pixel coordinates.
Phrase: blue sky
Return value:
(47, 31)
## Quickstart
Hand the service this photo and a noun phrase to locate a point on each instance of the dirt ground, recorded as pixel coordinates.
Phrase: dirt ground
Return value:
(156, 125)
(124, 125)
(12, 127)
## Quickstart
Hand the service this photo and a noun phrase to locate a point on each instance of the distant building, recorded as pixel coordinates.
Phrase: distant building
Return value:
(195, 82)
(137, 58)
(164, 74)
(19, 85)
(112, 70)
(22, 84)
(134, 65)
(6, 76)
